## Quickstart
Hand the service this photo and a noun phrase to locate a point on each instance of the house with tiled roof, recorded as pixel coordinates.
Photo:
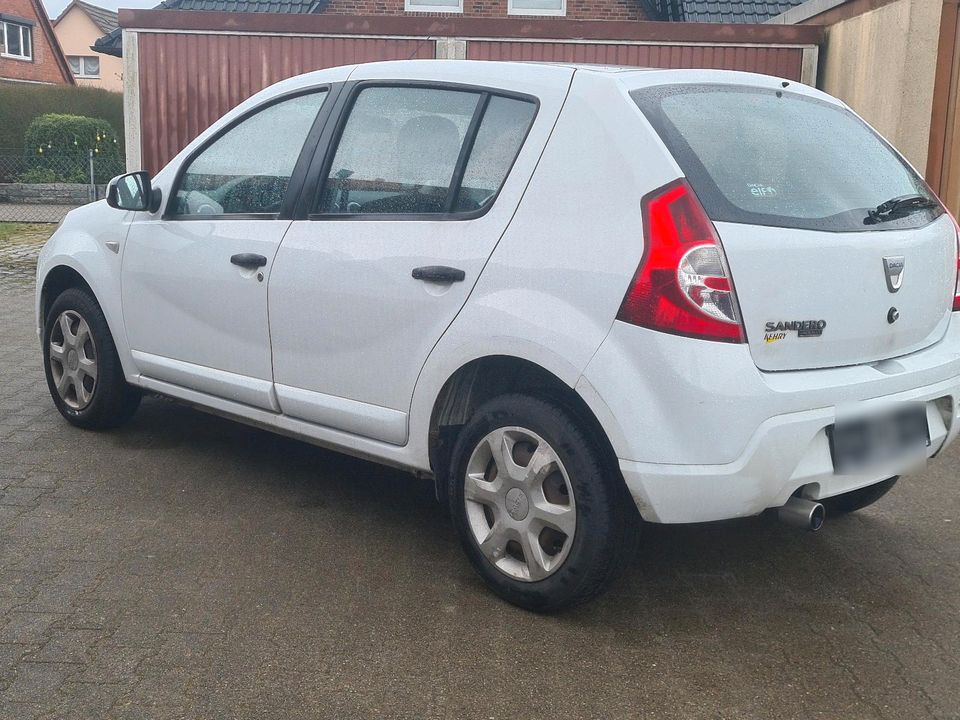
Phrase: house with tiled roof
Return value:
(715, 11)
(78, 28)
(700, 11)
(111, 43)
(29, 51)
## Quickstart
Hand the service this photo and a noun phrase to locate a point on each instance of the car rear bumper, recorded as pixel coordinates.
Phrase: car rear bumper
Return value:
(786, 452)
(702, 435)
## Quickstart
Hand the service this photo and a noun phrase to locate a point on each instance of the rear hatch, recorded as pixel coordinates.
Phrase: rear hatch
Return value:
(824, 273)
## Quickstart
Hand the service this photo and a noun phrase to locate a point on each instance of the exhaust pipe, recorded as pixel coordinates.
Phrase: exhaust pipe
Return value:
(802, 513)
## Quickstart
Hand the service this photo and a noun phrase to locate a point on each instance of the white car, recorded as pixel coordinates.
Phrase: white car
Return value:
(578, 297)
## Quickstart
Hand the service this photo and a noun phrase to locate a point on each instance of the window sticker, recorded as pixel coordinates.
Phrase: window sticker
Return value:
(762, 190)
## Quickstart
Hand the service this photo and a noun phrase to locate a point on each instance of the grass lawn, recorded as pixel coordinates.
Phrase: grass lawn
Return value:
(25, 233)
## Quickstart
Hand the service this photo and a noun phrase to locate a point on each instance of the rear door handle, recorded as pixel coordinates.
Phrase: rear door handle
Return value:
(438, 273)
(248, 260)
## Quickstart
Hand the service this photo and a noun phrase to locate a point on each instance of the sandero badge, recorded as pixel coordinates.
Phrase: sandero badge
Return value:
(774, 331)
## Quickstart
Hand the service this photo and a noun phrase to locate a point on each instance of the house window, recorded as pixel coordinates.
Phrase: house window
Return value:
(536, 7)
(440, 6)
(15, 41)
(84, 66)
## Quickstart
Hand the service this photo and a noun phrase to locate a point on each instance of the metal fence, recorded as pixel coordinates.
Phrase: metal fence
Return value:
(42, 187)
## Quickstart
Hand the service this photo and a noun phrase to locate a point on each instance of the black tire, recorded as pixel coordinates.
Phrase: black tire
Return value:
(113, 400)
(607, 523)
(858, 499)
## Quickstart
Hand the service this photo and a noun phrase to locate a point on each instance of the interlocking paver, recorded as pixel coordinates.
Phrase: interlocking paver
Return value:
(187, 567)
(20, 711)
(75, 700)
(40, 480)
(113, 663)
(24, 496)
(66, 646)
(26, 627)
(35, 682)
(10, 656)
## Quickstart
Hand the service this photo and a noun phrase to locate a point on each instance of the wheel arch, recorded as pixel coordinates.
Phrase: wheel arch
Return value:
(62, 272)
(483, 378)
(59, 278)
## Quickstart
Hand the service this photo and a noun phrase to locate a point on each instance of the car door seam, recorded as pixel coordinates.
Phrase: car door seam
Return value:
(506, 227)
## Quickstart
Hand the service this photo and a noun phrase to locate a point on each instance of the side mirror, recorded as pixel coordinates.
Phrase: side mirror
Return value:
(133, 192)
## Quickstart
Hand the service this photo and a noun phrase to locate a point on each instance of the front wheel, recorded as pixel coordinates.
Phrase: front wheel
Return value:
(542, 513)
(81, 364)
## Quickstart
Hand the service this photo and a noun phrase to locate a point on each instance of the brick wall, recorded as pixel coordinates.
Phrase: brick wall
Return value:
(576, 9)
(43, 67)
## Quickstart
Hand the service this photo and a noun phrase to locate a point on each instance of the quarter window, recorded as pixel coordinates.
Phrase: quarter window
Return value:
(15, 40)
(247, 170)
(403, 151)
(504, 127)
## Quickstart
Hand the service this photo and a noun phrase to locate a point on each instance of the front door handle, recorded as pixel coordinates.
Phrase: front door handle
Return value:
(248, 260)
(438, 273)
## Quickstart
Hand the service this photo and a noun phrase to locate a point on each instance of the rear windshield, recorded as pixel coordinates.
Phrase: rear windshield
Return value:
(767, 157)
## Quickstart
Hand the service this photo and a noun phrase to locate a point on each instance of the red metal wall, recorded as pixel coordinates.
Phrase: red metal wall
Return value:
(780, 61)
(187, 81)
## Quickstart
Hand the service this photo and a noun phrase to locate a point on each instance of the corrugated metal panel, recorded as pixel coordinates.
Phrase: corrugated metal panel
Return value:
(187, 81)
(780, 61)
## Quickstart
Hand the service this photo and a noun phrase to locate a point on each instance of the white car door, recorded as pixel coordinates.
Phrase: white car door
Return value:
(412, 196)
(195, 279)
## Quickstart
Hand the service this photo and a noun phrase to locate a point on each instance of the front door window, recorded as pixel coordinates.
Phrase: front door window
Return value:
(246, 170)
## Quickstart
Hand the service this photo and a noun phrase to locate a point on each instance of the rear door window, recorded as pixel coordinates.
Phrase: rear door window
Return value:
(413, 151)
(768, 157)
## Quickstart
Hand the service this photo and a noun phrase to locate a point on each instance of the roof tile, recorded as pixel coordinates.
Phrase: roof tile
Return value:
(733, 11)
(294, 7)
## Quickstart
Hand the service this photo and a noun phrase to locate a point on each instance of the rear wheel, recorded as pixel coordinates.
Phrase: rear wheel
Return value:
(858, 499)
(82, 367)
(544, 518)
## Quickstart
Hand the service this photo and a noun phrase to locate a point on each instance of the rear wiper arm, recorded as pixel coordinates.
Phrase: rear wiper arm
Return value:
(898, 207)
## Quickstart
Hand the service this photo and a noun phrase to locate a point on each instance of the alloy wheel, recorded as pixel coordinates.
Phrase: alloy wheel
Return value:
(73, 360)
(520, 504)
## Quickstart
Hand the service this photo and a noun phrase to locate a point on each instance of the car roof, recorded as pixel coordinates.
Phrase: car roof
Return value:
(507, 72)
(512, 75)
(539, 78)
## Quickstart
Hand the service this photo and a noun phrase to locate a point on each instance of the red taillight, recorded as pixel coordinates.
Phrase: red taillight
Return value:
(682, 285)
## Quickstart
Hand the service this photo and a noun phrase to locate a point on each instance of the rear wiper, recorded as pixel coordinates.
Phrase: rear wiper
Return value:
(898, 207)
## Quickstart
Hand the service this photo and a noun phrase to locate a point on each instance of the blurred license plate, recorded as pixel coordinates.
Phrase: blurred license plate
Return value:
(891, 439)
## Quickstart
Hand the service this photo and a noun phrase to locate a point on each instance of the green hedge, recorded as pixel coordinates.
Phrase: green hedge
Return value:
(20, 103)
(57, 149)
(70, 136)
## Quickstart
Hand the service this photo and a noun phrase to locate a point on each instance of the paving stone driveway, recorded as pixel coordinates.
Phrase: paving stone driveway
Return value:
(188, 567)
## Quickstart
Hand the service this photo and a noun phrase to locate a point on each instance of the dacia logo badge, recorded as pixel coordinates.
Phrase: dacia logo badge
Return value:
(893, 271)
